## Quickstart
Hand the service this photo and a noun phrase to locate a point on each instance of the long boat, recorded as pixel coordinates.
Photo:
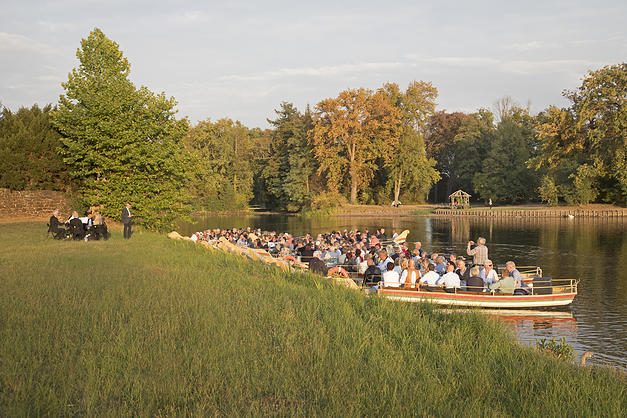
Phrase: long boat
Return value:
(561, 293)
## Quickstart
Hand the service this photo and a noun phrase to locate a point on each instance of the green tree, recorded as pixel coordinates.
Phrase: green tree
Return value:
(459, 142)
(122, 144)
(504, 174)
(409, 165)
(589, 138)
(223, 175)
(28, 151)
(290, 164)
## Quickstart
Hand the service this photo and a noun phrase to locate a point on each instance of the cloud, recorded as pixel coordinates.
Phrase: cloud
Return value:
(323, 71)
(18, 43)
(532, 46)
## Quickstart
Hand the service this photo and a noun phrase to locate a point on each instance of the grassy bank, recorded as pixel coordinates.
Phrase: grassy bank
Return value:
(152, 326)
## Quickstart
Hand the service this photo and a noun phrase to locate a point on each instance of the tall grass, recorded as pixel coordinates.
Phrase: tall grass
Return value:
(150, 326)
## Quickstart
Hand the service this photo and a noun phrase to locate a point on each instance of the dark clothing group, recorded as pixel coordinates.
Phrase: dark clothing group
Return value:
(76, 229)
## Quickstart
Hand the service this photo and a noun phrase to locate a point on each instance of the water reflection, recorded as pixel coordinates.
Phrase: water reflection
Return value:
(592, 250)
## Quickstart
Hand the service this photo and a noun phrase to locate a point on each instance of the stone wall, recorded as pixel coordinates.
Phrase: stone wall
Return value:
(32, 203)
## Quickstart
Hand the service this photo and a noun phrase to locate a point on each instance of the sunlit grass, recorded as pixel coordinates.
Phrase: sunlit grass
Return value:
(150, 326)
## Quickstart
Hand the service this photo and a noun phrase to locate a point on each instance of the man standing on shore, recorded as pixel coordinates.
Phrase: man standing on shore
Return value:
(126, 220)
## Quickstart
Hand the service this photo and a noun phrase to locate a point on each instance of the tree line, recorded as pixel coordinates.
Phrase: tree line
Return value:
(109, 142)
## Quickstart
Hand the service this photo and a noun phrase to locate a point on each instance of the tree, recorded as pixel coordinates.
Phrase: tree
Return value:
(290, 164)
(459, 143)
(350, 132)
(504, 175)
(223, 173)
(589, 138)
(122, 144)
(409, 164)
(28, 151)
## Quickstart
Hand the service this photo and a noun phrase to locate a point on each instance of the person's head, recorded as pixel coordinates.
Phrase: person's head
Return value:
(390, 266)
(510, 266)
(441, 260)
(425, 263)
(410, 263)
(434, 256)
(480, 241)
(474, 271)
(75, 214)
(404, 264)
(453, 258)
(461, 264)
(128, 206)
(431, 267)
(383, 254)
(55, 212)
(488, 265)
(397, 250)
(418, 245)
(416, 253)
(357, 252)
(370, 262)
(450, 267)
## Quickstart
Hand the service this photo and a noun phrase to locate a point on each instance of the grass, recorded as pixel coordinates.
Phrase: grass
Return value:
(151, 326)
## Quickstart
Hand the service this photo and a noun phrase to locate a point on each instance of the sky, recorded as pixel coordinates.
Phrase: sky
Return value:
(241, 59)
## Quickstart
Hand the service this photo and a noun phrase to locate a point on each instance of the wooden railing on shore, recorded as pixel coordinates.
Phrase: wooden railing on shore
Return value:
(535, 213)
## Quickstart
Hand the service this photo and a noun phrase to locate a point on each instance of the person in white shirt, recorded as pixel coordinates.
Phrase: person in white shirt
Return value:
(450, 279)
(488, 274)
(431, 277)
(390, 277)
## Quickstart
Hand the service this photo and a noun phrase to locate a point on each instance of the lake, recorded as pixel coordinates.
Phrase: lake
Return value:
(592, 250)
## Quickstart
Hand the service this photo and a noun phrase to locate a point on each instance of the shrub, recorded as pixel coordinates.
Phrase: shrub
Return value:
(548, 191)
(327, 201)
(559, 349)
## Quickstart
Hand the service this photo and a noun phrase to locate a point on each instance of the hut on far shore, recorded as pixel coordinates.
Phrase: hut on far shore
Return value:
(460, 200)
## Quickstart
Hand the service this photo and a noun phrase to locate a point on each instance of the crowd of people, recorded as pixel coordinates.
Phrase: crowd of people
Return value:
(377, 259)
(91, 226)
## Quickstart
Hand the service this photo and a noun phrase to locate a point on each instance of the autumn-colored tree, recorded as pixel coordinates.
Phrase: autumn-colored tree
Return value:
(409, 165)
(350, 132)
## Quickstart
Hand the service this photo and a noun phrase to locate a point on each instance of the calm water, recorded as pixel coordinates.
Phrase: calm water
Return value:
(593, 250)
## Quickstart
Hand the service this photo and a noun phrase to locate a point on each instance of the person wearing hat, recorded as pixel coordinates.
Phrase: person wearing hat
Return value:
(126, 220)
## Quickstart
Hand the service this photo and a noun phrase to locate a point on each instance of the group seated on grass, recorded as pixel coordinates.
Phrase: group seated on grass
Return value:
(376, 259)
(90, 227)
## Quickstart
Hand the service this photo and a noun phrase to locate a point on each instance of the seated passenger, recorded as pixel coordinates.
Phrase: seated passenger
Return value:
(410, 275)
(431, 277)
(505, 285)
(450, 279)
(488, 274)
(515, 274)
(384, 260)
(462, 271)
(474, 282)
(390, 277)
(440, 267)
(372, 275)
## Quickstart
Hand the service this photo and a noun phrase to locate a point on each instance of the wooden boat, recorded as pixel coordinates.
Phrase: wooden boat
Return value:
(561, 293)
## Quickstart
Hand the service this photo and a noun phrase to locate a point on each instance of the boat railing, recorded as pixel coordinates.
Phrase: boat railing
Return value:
(563, 286)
